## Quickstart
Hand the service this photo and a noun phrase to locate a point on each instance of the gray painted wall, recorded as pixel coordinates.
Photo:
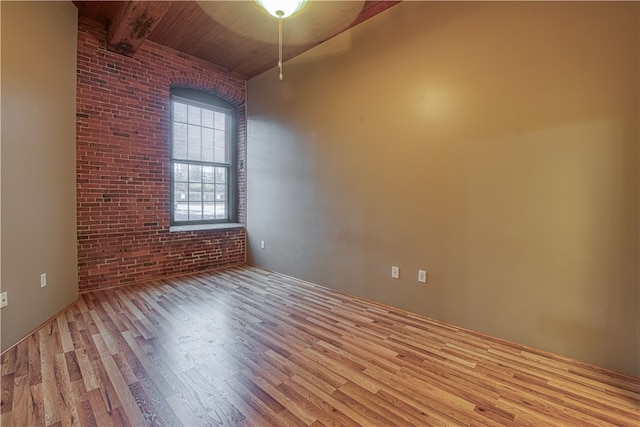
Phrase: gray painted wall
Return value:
(493, 144)
(38, 163)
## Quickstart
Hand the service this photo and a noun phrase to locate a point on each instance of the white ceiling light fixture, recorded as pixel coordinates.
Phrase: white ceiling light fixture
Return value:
(281, 9)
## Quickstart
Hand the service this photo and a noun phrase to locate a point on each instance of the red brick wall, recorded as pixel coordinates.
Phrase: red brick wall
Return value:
(123, 164)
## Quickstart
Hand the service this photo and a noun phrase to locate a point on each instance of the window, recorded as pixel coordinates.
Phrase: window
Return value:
(203, 176)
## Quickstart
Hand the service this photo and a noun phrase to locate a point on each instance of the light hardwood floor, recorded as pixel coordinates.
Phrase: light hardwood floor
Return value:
(247, 347)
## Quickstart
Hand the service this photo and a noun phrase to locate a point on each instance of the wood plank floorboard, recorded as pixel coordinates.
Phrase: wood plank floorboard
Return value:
(247, 347)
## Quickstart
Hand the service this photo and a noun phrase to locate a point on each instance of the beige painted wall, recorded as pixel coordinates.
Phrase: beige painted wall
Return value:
(38, 84)
(493, 144)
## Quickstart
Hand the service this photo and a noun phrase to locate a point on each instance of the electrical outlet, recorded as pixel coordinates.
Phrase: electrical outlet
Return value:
(395, 272)
(262, 244)
(43, 280)
(422, 276)
(4, 301)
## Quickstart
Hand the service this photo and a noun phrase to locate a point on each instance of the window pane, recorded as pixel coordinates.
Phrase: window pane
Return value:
(194, 115)
(209, 193)
(207, 145)
(180, 212)
(220, 121)
(207, 118)
(195, 192)
(195, 173)
(221, 193)
(180, 172)
(220, 147)
(207, 174)
(195, 144)
(179, 141)
(209, 211)
(195, 211)
(179, 112)
(221, 212)
(180, 193)
(221, 175)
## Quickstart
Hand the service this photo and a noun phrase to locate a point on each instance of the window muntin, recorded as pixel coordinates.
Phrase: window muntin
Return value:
(202, 170)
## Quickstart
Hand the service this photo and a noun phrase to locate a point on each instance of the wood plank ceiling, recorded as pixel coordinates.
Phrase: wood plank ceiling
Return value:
(237, 35)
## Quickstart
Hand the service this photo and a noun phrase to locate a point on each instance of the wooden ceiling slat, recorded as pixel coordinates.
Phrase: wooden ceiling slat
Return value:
(248, 66)
(208, 33)
(200, 25)
(174, 32)
(251, 29)
(233, 55)
(168, 20)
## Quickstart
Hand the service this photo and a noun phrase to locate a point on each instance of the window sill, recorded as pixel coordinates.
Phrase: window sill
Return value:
(201, 227)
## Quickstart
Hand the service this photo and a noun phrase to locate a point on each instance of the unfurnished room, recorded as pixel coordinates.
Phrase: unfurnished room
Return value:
(320, 213)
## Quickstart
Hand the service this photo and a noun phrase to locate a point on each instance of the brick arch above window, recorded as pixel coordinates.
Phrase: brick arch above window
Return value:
(214, 84)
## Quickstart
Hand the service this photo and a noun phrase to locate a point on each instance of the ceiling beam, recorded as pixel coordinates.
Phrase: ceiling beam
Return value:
(133, 23)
